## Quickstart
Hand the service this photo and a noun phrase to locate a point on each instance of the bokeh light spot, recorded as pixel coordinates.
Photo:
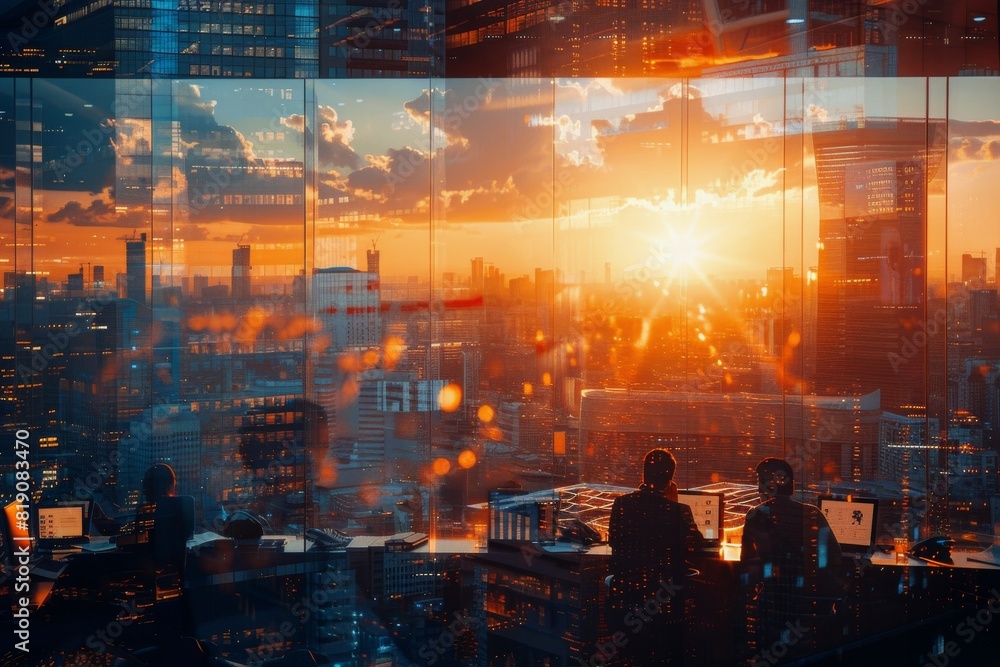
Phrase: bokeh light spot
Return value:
(450, 397)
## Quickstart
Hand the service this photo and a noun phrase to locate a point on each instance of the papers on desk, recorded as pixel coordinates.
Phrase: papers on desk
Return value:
(204, 538)
(48, 568)
(99, 544)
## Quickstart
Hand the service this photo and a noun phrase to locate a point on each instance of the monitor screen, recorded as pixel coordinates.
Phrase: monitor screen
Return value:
(851, 519)
(60, 523)
(706, 508)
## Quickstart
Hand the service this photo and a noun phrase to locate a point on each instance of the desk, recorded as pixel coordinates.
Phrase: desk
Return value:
(968, 560)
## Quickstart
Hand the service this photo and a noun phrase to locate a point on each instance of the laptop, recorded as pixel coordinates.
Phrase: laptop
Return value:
(61, 526)
(17, 540)
(853, 522)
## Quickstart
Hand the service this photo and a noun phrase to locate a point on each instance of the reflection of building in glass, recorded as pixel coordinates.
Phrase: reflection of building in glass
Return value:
(252, 613)
(362, 38)
(872, 176)
(241, 272)
(722, 437)
(135, 261)
(347, 303)
(167, 434)
(721, 38)
(902, 448)
(974, 271)
(187, 38)
(601, 38)
(544, 608)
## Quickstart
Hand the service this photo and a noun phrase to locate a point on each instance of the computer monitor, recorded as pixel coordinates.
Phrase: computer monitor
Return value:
(852, 520)
(708, 510)
(60, 523)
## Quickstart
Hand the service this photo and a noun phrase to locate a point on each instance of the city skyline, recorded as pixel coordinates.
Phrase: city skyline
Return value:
(404, 293)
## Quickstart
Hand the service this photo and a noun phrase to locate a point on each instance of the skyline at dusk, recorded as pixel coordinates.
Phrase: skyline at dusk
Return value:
(488, 333)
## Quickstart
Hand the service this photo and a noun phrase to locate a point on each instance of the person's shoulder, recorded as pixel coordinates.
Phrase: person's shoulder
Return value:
(676, 506)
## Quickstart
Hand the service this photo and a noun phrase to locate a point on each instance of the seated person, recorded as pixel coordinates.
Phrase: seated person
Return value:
(652, 537)
(173, 516)
(791, 556)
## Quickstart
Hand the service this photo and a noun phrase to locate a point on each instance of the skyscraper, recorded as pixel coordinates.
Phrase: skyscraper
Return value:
(871, 293)
(974, 271)
(241, 272)
(135, 268)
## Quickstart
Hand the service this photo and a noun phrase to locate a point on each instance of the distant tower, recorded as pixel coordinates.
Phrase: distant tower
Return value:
(373, 259)
(135, 268)
(974, 271)
(98, 275)
(241, 272)
(476, 284)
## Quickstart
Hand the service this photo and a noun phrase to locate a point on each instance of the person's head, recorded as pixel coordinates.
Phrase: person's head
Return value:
(774, 478)
(658, 468)
(159, 482)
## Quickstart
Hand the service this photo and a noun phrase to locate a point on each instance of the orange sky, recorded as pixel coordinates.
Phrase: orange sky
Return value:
(527, 175)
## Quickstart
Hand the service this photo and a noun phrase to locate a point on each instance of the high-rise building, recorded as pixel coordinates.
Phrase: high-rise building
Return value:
(283, 39)
(135, 269)
(372, 38)
(168, 434)
(347, 303)
(241, 272)
(724, 436)
(974, 271)
(476, 281)
(871, 291)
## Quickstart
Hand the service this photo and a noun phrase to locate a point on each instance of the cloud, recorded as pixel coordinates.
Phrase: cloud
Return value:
(447, 110)
(131, 137)
(974, 149)
(99, 213)
(334, 137)
(206, 138)
(583, 90)
(817, 112)
(566, 129)
(974, 140)
(196, 233)
(401, 175)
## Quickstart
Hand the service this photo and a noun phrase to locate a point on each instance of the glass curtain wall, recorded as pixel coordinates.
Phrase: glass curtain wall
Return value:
(362, 305)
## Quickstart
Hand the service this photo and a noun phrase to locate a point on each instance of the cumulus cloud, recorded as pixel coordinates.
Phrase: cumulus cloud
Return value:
(583, 88)
(817, 112)
(447, 111)
(402, 175)
(203, 133)
(333, 139)
(566, 129)
(974, 140)
(131, 137)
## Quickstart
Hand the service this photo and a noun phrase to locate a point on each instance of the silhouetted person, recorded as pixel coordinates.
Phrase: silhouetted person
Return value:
(172, 526)
(651, 536)
(173, 516)
(792, 559)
